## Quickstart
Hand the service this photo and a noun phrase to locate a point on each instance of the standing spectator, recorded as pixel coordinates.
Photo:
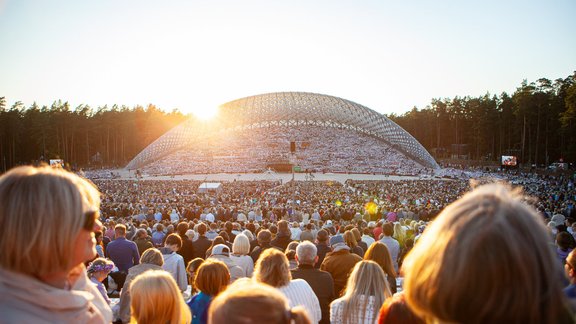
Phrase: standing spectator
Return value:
(173, 262)
(240, 250)
(212, 277)
(156, 299)
(307, 234)
(320, 281)
(365, 294)
(123, 253)
(202, 243)
(339, 263)
(350, 240)
(358, 238)
(151, 260)
(143, 241)
(322, 246)
(158, 235)
(283, 237)
(264, 237)
(187, 249)
(48, 218)
(392, 245)
(174, 216)
(272, 269)
(378, 252)
(221, 252)
(366, 238)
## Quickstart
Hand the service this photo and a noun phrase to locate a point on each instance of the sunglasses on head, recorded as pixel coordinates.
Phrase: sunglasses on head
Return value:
(89, 220)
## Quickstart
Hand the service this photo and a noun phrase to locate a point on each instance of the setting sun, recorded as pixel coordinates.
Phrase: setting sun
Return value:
(205, 113)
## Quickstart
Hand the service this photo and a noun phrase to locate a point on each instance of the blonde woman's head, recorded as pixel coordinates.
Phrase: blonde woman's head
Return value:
(46, 216)
(155, 298)
(241, 245)
(272, 268)
(485, 258)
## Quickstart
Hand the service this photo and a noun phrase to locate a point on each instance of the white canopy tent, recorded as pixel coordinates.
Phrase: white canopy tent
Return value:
(206, 187)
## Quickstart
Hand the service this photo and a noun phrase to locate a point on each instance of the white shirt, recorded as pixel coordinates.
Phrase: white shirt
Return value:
(174, 264)
(299, 293)
(245, 262)
(337, 307)
(368, 239)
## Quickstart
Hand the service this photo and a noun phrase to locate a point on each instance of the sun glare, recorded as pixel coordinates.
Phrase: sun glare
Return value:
(205, 113)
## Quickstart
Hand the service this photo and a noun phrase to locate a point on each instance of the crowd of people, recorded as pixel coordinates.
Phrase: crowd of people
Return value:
(318, 149)
(409, 251)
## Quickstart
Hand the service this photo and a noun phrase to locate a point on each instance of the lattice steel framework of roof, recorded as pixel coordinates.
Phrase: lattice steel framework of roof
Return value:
(286, 109)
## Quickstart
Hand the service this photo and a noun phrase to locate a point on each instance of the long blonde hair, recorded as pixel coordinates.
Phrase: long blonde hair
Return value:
(156, 299)
(272, 268)
(486, 259)
(366, 279)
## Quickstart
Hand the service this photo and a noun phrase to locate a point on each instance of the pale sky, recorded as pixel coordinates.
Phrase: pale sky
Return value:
(194, 55)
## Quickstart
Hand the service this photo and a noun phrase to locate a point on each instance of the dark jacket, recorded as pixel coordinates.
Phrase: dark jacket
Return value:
(281, 241)
(323, 249)
(187, 249)
(261, 248)
(143, 244)
(200, 246)
(322, 284)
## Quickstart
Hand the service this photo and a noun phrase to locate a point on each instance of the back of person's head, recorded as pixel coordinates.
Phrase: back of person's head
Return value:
(159, 227)
(272, 268)
(366, 279)
(228, 226)
(42, 212)
(246, 302)
(99, 265)
(181, 228)
(264, 236)
(194, 264)
(212, 277)
(485, 259)
(322, 236)
(349, 239)
(241, 245)
(155, 298)
(173, 239)
(388, 229)
(395, 310)
(201, 229)
(357, 234)
(283, 227)
(378, 252)
(152, 256)
(141, 233)
(306, 253)
(120, 230)
(564, 240)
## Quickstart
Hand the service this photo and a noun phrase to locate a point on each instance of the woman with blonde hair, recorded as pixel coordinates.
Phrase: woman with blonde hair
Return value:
(272, 269)
(486, 259)
(156, 299)
(212, 277)
(48, 218)
(365, 293)
(246, 301)
(378, 252)
(240, 257)
(151, 259)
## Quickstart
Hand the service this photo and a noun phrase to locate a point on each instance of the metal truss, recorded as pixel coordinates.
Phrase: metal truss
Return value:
(286, 109)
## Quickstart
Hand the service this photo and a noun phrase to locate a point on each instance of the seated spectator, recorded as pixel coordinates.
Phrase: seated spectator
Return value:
(211, 278)
(191, 269)
(339, 263)
(485, 259)
(221, 253)
(563, 242)
(378, 252)
(158, 235)
(395, 310)
(143, 241)
(48, 218)
(365, 293)
(202, 243)
(352, 243)
(283, 238)
(322, 246)
(291, 254)
(156, 299)
(246, 301)
(151, 260)
(174, 262)
(240, 250)
(98, 270)
(320, 281)
(272, 269)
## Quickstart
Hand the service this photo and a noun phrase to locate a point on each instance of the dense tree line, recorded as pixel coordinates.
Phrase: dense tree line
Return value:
(537, 123)
(82, 136)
